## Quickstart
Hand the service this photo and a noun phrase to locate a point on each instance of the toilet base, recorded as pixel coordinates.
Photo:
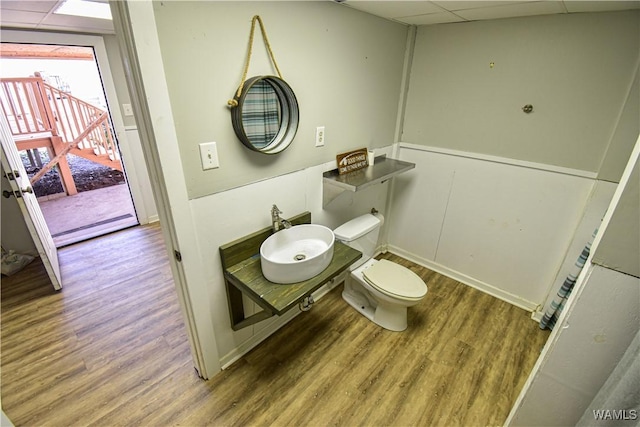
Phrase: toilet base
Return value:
(390, 316)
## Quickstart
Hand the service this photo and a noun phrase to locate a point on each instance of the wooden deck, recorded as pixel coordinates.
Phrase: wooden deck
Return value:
(111, 349)
(88, 214)
(43, 116)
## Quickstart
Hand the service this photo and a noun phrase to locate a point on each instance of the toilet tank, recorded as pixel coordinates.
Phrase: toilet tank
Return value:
(361, 233)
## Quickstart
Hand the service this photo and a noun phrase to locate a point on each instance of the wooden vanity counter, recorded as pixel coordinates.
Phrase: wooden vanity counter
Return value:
(243, 275)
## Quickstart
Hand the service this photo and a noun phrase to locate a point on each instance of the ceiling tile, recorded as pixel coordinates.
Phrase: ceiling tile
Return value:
(17, 16)
(471, 4)
(30, 13)
(513, 10)
(68, 21)
(600, 6)
(394, 9)
(431, 18)
(29, 6)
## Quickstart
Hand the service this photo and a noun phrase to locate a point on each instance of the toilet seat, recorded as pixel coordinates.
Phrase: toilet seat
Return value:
(395, 280)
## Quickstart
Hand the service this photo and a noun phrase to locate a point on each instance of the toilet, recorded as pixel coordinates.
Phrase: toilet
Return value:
(380, 290)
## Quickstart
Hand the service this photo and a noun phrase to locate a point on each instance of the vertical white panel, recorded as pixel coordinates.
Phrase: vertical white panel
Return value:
(504, 228)
(230, 215)
(594, 211)
(509, 226)
(420, 202)
(143, 197)
(620, 247)
(550, 392)
(583, 350)
(603, 323)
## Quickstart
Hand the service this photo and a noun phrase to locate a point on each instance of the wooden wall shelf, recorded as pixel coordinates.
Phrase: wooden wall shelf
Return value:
(243, 275)
(334, 184)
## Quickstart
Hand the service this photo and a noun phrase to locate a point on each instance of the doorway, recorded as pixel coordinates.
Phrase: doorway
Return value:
(138, 155)
(55, 104)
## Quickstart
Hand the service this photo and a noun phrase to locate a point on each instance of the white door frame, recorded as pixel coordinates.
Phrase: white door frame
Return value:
(102, 61)
(135, 28)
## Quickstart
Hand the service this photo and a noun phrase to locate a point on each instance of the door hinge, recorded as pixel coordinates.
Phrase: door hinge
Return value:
(13, 175)
(178, 255)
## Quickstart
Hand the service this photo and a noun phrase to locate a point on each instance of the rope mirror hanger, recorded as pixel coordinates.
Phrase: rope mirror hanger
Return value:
(264, 110)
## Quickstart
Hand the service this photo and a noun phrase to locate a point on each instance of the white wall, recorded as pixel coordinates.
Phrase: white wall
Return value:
(599, 321)
(119, 79)
(211, 214)
(146, 208)
(230, 215)
(5, 421)
(594, 211)
(498, 196)
(199, 222)
(626, 130)
(576, 70)
(620, 247)
(345, 67)
(500, 226)
(589, 344)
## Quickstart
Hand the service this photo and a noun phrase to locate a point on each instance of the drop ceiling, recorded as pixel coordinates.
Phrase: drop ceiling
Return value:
(441, 12)
(36, 14)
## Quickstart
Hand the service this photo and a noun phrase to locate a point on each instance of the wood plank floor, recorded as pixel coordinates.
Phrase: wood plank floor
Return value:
(111, 349)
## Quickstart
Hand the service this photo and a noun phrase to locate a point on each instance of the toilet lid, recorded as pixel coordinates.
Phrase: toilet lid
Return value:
(394, 279)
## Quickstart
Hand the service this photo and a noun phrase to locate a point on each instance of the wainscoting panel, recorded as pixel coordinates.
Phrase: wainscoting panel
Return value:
(496, 225)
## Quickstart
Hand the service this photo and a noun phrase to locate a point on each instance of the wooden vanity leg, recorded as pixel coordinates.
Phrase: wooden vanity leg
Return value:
(236, 310)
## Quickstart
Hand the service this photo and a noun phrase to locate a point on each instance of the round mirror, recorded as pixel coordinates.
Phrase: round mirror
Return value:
(266, 116)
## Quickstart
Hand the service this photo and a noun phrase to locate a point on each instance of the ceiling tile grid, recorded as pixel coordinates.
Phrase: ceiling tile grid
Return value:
(39, 14)
(423, 12)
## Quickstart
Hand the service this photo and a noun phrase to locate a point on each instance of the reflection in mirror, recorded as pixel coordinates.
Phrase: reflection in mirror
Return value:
(265, 114)
(261, 114)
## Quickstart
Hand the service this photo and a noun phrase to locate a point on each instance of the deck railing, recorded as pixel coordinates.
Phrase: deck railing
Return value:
(33, 106)
(24, 107)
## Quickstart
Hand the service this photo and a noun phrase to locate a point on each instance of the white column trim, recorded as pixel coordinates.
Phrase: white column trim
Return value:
(138, 39)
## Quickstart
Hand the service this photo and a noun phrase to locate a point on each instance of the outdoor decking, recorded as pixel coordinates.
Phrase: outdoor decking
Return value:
(89, 214)
(40, 115)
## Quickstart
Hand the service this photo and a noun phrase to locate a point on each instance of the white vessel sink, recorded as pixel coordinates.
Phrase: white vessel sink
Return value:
(296, 254)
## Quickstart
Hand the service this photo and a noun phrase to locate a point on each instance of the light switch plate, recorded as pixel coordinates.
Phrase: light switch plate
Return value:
(127, 110)
(209, 155)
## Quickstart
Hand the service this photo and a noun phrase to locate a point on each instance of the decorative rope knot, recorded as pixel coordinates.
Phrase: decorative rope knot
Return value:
(232, 103)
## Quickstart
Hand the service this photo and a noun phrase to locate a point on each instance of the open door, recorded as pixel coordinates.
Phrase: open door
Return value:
(21, 187)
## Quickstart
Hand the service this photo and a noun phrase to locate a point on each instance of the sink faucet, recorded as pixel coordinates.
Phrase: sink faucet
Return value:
(276, 221)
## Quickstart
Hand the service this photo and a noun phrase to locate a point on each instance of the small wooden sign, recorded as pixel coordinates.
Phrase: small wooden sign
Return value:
(352, 161)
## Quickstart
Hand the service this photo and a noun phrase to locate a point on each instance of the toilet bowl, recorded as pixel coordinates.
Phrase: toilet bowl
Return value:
(380, 290)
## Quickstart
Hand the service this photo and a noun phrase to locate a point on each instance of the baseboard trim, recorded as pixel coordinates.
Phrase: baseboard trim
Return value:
(537, 316)
(149, 220)
(257, 338)
(469, 281)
